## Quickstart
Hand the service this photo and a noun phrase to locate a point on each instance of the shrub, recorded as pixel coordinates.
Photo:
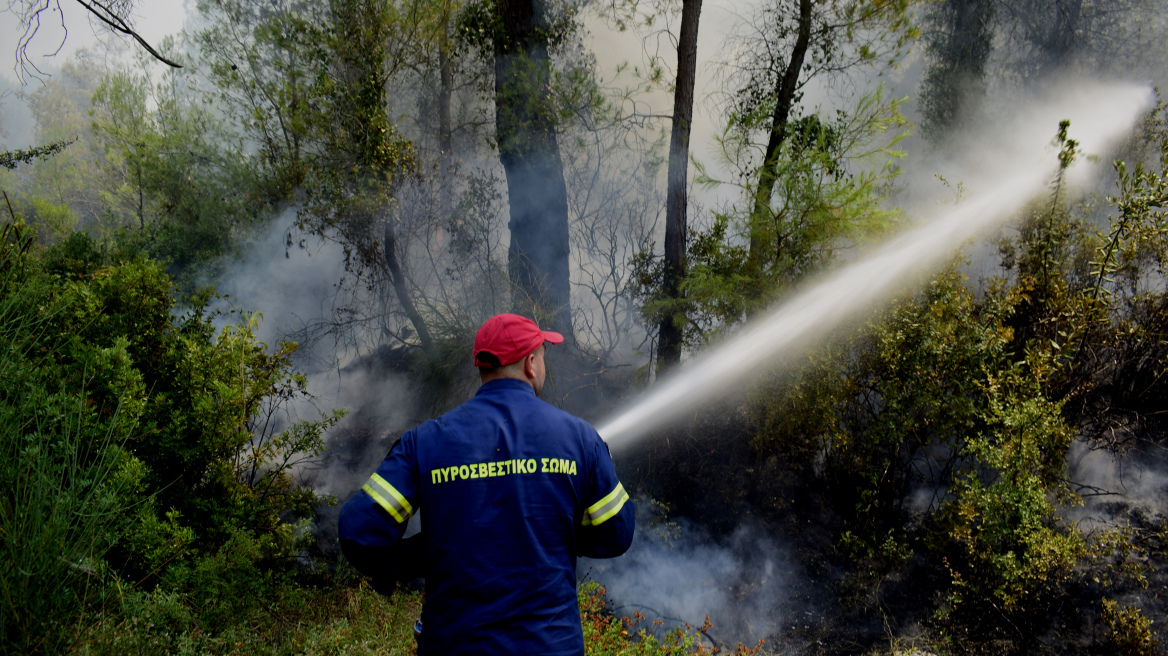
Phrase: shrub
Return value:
(607, 635)
(140, 445)
(1130, 631)
(67, 484)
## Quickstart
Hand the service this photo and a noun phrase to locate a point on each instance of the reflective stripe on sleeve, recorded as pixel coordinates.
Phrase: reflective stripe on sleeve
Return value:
(603, 510)
(389, 498)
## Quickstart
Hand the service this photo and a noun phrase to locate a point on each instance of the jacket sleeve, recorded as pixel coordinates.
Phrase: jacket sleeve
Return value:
(374, 519)
(608, 524)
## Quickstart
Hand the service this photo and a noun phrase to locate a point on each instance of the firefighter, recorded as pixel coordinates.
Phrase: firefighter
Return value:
(514, 490)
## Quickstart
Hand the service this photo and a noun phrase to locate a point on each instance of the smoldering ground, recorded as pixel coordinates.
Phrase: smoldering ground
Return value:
(676, 572)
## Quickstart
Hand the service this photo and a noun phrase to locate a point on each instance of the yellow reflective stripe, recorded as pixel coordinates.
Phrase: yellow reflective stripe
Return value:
(388, 498)
(603, 510)
(616, 491)
(381, 501)
(613, 510)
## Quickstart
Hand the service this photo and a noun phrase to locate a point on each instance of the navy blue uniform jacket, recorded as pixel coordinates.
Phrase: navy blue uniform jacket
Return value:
(514, 490)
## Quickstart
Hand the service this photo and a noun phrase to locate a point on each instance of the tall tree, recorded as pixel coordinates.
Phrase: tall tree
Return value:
(800, 39)
(818, 185)
(311, 84)
(1028, 40)
(1045, 36)
(669, 333)
(525, 130)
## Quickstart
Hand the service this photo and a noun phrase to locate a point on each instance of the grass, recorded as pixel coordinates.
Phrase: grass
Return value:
(292, 619)
(295, 619)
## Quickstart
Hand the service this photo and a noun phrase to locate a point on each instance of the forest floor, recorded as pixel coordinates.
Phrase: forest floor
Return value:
(292, 618)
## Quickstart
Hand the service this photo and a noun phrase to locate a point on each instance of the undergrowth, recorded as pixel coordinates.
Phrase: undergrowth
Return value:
(283, 616)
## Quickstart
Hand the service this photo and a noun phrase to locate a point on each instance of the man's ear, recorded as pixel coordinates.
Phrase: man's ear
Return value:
(529, 365)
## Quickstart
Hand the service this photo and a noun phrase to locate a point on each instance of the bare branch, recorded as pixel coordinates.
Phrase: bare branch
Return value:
(113, 13)
(106, 15)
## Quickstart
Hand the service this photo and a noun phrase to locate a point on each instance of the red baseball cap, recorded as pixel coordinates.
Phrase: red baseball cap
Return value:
(510, 337)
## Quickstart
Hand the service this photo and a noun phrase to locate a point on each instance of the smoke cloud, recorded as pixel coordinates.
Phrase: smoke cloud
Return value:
(1112, 483)
(298, 284)
(678, 573)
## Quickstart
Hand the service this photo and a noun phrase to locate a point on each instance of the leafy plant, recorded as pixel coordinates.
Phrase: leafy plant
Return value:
(1130, 631)
(68, 486)
(139, 448)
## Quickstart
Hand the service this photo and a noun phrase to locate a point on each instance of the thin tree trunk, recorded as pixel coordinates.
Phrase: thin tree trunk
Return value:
(669, 332)
(785, 98)
(141, 199)
(959, 38)
(445, 129)
(1067, 15)
(398, 280)
(537, 259)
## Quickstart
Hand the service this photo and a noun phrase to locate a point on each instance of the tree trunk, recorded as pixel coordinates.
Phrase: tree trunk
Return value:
(954, 84)
(669, 332)
(785, 97)
(445, 129)
(398, 280)
(1066, 23)
(537, 259)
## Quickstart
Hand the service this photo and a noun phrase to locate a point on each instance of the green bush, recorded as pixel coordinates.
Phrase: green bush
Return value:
(1129, 630)
(286, 618)
(977, 397)
(67, 484)
(141, 446)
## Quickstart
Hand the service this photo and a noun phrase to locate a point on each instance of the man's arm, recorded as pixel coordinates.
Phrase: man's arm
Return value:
(374, 519)
(608, 523)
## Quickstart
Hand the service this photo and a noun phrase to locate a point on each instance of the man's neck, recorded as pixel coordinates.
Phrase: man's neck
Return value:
(487, 378)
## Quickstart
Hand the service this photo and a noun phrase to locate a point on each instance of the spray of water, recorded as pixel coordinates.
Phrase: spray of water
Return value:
(1003, 176)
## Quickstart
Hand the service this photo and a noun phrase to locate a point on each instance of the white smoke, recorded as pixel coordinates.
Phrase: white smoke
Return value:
(290, 278)
(1110, 482)
(298, 283)
(744, 583)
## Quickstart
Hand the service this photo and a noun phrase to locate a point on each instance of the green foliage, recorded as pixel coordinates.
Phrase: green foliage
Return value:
(180, 176)
(832, 176)
(73, 176)
(277, 616)
(1011, 549)
(55, 222)
(151, 166)
(309, 85)
(1130, 631)
(10, 159)
(977, 398)
(68, 487)
(934, 395)
(139, 446)
(869, 413)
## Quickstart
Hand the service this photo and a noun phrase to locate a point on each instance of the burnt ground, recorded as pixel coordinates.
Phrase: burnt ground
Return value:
(709, 475)
(706, 472)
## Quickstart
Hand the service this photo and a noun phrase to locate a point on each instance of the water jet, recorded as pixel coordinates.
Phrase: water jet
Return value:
(1007, 176)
